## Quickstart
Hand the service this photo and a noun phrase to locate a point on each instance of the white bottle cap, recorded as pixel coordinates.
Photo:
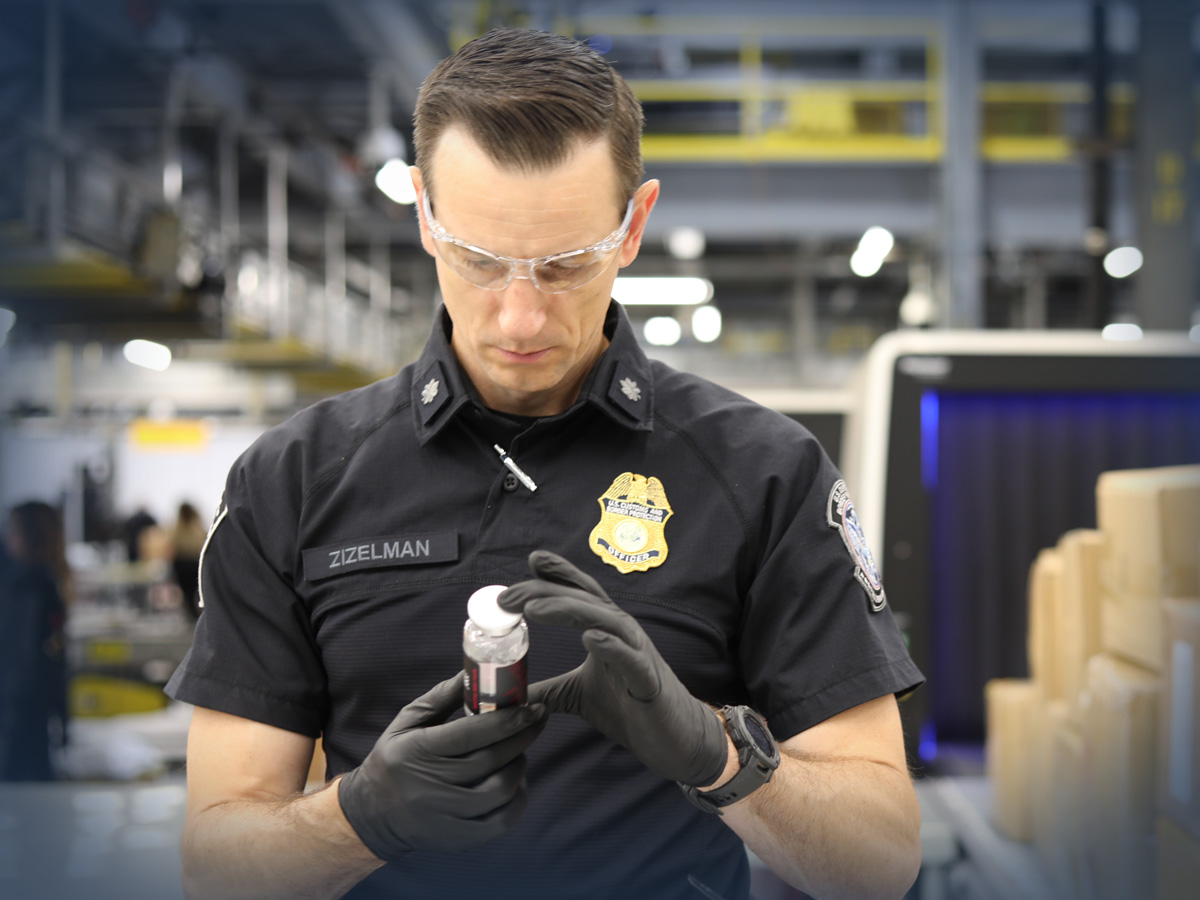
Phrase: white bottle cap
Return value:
(486, 613)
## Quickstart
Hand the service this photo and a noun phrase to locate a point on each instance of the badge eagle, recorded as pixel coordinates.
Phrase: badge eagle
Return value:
(633, 513)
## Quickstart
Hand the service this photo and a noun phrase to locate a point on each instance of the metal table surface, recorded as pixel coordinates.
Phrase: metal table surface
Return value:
(93, 840)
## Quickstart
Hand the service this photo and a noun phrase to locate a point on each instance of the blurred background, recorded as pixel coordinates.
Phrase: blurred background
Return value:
(955, 238)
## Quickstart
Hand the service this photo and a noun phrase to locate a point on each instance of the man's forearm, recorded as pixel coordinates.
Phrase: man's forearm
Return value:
(300, 848)
(834, 827)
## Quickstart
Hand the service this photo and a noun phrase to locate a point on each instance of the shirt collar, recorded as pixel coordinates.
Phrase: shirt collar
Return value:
(620, 384)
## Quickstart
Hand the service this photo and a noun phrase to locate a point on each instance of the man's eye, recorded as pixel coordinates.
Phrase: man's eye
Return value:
(482, 263)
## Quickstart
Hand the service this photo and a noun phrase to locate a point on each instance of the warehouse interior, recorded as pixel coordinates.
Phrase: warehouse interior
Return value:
(955, 239)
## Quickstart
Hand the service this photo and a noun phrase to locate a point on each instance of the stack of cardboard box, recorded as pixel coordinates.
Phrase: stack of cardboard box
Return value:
(1095, 758)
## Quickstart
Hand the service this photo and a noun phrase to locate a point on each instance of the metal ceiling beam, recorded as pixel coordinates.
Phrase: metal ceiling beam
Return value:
(393, 35)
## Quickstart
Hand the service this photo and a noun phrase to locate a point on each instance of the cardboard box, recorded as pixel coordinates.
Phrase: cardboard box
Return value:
(1151, 524)
(1056, 760)
(1045, 623)
(1120, 730)
(1080, 604)
(1132, 628)
(1150, 519)
(1011, 707)
(1178, 862)
(1179, 716)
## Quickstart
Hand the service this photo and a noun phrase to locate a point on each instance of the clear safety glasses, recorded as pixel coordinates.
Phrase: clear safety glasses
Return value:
(555, 274)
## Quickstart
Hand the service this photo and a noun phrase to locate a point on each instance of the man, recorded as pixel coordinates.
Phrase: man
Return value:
(723, 568)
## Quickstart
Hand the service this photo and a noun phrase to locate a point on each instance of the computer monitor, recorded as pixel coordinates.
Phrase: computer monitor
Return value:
(970, 451)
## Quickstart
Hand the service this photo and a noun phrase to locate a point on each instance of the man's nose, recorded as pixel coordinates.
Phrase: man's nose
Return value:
(522, 308)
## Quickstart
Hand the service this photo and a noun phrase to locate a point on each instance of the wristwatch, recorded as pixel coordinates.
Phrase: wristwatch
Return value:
(758, 756)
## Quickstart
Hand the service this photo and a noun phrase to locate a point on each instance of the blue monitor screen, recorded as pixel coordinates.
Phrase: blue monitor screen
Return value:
(1006, 474)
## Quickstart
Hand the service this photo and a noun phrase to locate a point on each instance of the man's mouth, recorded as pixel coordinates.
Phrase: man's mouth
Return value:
(518, 357)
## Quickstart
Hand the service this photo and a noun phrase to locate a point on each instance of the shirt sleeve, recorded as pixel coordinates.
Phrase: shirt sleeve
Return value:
(818, 637)
(254, 653)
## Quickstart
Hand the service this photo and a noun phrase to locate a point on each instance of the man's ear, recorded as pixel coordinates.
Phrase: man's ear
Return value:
(643, 201)
(419, 185)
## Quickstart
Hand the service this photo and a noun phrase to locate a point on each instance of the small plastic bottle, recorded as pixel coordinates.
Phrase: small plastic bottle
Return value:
(495, 642)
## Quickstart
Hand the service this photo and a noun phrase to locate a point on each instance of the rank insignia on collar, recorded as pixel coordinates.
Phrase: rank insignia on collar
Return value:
(633, 513)
(430, 391)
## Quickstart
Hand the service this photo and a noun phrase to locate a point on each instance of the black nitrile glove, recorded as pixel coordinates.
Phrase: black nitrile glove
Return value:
(429, 784)
(624, 689)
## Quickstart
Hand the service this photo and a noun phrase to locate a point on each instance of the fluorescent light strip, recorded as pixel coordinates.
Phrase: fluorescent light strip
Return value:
(662, 291)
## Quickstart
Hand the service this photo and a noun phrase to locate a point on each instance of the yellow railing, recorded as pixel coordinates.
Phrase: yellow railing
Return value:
(781, 120)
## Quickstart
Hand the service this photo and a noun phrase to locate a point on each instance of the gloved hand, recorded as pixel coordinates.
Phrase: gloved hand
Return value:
(624, 689)
(428, 784)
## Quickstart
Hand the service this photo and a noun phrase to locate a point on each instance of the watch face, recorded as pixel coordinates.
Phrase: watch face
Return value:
(759, 734)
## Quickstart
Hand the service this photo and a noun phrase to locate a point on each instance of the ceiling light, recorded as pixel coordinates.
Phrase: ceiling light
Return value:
(706, 324)
(663, 331)
(395, 180)
(662, 291)
(1121, 331)
(685, 242)
(877, 241)
(247, 280)
(148, 354)
(873, 248)
(1123, 261)
(864, 265)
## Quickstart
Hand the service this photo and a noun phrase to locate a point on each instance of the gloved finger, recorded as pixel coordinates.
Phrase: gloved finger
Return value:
(578, 610)
(499, 820)
(431, 708)
(552, 567)
(471, 768)
(471, 733)
(634, 667)
(559, 694)
(487, 795)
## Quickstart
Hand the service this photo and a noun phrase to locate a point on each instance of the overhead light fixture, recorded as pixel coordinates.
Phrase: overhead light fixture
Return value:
(663, 331)
(247, 279)
(873, 248)
(383, 146)
(662, 291)
(1121, 331)
(685, 242)
(148, 354)
(706, 324)
(395, 180)
(1121, 262)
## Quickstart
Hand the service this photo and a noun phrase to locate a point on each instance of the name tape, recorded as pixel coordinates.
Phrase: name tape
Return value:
(380, 553)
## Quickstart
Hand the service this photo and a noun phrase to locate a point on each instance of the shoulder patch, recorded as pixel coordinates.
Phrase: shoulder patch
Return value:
(840, 514)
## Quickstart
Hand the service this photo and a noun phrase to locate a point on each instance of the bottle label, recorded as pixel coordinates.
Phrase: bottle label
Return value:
(488, 686)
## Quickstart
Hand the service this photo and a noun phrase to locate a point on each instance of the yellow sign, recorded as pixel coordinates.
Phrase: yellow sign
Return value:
(633, 514)
(172, 434)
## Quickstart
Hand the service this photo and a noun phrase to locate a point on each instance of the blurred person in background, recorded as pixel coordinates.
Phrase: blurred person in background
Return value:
(133, 528)
(34, 579)
(187, 540)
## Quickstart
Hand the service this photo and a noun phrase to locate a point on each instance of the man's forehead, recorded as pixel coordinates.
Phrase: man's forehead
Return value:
(559, 207)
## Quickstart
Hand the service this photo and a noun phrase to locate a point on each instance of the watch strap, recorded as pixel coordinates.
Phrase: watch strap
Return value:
(755, 769)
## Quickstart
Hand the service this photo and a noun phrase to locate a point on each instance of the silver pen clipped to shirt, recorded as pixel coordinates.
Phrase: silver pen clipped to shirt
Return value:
(511, 465)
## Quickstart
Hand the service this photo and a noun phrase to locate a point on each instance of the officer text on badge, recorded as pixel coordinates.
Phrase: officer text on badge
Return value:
(630, 534)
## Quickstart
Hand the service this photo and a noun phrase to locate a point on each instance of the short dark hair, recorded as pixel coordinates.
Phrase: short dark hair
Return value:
(527, 97)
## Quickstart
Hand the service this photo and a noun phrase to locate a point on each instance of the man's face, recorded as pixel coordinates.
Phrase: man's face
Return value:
(525, 350)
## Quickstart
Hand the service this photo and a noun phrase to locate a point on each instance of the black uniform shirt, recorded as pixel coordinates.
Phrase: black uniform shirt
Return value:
(336, 577)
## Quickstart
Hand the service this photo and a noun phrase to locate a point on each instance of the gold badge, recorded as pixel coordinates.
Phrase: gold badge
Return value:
(633, 512)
